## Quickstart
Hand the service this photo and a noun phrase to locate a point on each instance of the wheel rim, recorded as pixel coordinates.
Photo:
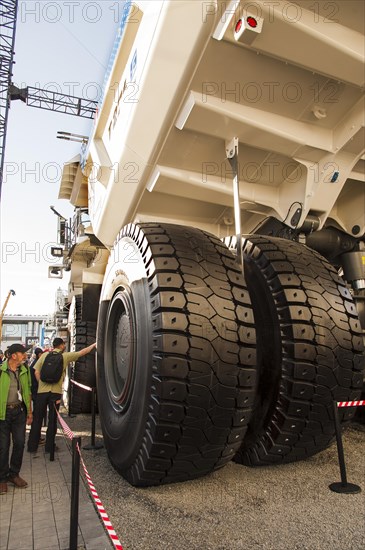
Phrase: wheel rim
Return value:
(119, 350)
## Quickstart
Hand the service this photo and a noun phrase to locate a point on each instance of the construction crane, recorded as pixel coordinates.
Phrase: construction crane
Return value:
(10, 293)
(34, 97)
(8, 11)
(53, 101)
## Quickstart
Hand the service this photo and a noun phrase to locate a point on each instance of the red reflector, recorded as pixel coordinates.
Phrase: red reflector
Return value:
(251, 21)
(238, 26)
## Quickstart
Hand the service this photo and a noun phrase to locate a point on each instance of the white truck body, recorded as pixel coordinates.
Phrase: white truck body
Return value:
(182, 86)
(279, 86)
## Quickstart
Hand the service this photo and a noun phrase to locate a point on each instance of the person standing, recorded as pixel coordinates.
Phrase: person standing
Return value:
(34, 382)
(50, 394)
(15, 414)
(34, 386)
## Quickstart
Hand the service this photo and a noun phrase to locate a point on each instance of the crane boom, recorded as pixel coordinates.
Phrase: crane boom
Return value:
(8, 11)
(10, 293)
(34, 97)
(54, 101)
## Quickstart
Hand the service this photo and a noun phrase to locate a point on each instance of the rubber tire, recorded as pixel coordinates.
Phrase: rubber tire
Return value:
(310, 350)
(83, 370)
(179, 405)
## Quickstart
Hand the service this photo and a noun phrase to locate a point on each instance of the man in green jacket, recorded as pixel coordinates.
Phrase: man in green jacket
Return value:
(15, 414)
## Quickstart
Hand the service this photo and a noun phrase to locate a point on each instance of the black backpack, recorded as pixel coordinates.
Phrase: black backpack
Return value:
(52, 368)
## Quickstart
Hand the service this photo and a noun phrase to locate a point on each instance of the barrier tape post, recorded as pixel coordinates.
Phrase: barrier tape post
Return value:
(75, 484)
(100, 508)
(52, 425)
(69, 393)
(93, 445)
(343, 486)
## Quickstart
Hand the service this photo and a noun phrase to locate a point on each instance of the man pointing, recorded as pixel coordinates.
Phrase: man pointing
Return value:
(49, 394)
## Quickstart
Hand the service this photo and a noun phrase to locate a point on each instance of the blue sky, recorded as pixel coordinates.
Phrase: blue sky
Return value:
(62, 46)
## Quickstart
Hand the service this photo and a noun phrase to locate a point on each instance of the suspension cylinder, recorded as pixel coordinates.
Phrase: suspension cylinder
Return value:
(353, 264)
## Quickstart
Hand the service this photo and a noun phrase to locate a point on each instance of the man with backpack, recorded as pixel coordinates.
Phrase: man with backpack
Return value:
(34, 382)
(50, 372)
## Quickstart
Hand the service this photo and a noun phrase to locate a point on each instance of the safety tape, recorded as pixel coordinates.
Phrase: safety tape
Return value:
(351, 403)
(104, 516)
(101, 510)
(65, 428)
(81, 385)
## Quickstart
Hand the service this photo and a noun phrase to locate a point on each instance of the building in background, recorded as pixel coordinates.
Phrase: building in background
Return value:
(28, 329)
(36, 330)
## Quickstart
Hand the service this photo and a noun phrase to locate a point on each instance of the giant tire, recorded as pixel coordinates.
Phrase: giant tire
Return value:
(175, 371)
(83, 370)
(309, 349)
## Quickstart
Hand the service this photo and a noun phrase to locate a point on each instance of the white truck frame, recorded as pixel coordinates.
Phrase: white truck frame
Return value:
(224, 261)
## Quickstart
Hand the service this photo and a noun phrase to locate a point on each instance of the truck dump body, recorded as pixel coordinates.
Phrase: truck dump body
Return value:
(183, 85)
(204, 356)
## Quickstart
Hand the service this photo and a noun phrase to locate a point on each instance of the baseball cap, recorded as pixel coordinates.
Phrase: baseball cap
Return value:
(17, 348)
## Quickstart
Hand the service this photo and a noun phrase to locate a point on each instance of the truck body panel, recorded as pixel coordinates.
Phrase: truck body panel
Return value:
(299, 120)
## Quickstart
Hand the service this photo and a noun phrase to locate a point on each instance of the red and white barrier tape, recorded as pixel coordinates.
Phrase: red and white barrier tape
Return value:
(64, 426)
(101, 510)
(351, 403)
(104, 516)
(81, 385)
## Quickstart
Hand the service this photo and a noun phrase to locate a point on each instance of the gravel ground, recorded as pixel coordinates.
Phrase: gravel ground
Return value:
(287, 507)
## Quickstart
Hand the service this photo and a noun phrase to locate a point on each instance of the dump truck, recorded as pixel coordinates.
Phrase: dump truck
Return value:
(218, 244)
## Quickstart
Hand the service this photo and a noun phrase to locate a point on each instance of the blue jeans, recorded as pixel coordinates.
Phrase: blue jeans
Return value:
(13, 426)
